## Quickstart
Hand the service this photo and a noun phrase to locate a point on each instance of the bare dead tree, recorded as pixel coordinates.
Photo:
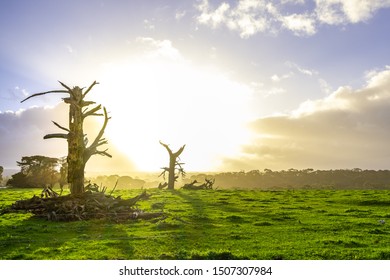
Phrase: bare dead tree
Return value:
(175, 168)
(78, 150)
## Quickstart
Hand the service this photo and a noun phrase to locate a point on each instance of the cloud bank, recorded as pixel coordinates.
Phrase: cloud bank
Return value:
(248, 17)
(349, 128)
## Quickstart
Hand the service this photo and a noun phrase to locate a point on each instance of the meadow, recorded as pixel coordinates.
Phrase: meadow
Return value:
(213, 224)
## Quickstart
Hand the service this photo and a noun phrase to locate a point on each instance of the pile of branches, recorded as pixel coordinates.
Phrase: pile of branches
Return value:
(207, 185)
(89, 205)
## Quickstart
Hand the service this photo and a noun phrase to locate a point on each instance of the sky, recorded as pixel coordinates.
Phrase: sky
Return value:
(244, 84)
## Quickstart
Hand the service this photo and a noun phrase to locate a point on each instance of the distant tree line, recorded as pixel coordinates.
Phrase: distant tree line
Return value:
(301, 179)
(41, 171)
(121, 182)
(38, 172)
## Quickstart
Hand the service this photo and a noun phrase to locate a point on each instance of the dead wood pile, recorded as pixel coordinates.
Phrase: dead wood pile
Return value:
(208, 185)
(89, 205)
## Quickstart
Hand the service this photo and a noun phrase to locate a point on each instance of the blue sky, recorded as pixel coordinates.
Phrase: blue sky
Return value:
(235, 76)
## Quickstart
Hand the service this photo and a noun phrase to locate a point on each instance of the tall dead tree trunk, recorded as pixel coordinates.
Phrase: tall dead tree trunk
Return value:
(76, 147)
(174, 165)
(78, 152)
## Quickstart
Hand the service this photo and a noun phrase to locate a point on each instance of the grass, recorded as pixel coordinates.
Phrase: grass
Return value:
(220, 224)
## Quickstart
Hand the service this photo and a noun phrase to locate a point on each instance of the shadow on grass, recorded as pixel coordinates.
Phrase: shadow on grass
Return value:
(200, 232)
(36, 238)
(379, 203)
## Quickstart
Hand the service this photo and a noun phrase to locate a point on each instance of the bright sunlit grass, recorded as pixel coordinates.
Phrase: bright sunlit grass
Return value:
(222, 224)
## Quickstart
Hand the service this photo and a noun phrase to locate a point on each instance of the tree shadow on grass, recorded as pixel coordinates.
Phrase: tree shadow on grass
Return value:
(26, 238)
(203, 232)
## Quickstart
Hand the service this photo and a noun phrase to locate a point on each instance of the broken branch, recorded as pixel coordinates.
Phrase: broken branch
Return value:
(61, 127)
(42, 93)
(56, 135)
(90, 87)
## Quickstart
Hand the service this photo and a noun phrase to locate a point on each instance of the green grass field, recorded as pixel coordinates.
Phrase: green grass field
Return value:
(218, 224)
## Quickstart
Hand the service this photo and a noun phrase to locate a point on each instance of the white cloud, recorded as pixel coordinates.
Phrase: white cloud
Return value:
(180, 14)
(249, 17)
(349, 128)
(69, 48)
(149, 25)
(266, 91)
(338, 100)
(348, 11)
(257, 85)
(159, 48)
(325, 86)
(300, 24)
(276, 91)
(292, 1)
(329, 13)
(20, 92)
(376, 78)
(213, 18)
(300, 69)
(277, 78)
(245, 18)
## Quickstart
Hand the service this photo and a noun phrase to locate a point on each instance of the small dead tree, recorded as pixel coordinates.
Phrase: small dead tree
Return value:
(175, 168)
(78, 151)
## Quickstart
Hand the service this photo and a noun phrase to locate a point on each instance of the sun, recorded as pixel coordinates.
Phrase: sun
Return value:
(177, 103)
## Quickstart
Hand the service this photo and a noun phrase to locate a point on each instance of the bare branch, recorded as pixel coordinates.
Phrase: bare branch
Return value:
(87, 103)
(166, 147)
(61, 127)
(67, 100)
(114, 187)
(103, 153)
(92, 112)
(180, 169)
(65, 86)
(102, 142)
(179, 151)
(101, 132)
(70, 91)
(42, 93)
(165, 169)
(56, 135)
(91, 150)
(90, 87)
(176, 154)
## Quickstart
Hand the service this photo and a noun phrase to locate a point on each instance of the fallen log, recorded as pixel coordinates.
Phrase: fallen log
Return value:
(208, 185)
